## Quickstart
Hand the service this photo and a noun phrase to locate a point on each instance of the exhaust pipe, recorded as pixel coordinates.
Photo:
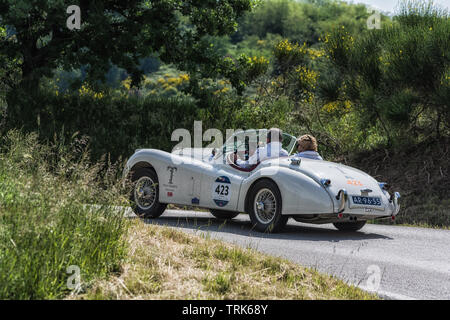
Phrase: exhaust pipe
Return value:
(342, 196)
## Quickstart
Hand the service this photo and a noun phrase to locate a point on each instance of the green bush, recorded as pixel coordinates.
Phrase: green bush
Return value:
(56, 210)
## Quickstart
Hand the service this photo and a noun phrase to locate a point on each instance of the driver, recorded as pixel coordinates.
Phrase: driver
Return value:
(273, 149)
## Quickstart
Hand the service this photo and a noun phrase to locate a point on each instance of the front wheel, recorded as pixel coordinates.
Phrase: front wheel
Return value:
(224, 215)
(264, 207)
(349, 226)
(145, 194)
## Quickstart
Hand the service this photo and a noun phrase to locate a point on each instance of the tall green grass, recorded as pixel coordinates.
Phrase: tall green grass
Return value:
(56, 210)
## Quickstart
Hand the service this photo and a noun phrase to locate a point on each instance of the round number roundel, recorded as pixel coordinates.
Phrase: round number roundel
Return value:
(221, 191)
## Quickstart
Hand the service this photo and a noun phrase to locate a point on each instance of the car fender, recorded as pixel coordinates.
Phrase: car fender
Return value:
(300, 194)
(154, 158)
(179, 177)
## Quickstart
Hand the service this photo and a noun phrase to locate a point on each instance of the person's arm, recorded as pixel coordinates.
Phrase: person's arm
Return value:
(253, 160)
(242, 163)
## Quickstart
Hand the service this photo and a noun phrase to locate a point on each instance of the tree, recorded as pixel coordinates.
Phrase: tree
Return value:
(112, 32)
(397, 77)
(301, 21)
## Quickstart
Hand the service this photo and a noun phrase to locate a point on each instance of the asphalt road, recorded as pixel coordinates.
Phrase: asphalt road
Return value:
(396, 262)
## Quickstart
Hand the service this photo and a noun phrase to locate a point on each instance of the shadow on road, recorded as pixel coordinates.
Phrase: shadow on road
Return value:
(243, 227)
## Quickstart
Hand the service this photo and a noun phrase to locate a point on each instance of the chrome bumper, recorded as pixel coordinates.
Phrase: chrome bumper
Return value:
(394, 200)
(342, 197)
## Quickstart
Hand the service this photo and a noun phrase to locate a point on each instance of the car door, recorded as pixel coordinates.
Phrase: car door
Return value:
(221, 186)
(181, 183)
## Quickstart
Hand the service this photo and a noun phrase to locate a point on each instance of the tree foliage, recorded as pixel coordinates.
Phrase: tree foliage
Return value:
(399, 75)
(301, 21)
(112, 32)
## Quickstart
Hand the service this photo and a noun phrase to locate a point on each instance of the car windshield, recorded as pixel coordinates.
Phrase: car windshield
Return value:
(242, 141)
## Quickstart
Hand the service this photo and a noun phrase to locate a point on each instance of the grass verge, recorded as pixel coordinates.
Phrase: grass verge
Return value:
(163, 263)
(46, 226)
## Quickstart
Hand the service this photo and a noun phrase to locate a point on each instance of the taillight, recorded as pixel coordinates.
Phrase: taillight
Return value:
(325, 182)
(383, 185)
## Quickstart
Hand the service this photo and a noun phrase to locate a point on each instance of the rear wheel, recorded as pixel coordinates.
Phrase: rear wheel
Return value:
(349, 226)
(265, 207)
(224, 215)
(145, 194)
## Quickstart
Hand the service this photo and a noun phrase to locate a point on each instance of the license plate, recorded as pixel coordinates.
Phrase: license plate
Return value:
(367, 201)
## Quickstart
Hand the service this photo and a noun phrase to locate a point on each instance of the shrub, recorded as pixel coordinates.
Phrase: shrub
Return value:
(116, 124)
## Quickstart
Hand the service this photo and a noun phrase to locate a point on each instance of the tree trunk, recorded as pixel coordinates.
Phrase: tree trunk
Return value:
(23, 101)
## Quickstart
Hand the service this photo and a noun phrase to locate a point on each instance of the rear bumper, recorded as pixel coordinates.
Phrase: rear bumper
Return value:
(391, 209)
(395, 200)
(346, 214)
(343, 211)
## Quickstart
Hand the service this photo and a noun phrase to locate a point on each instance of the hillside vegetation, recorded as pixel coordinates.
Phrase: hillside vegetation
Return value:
(420, 173)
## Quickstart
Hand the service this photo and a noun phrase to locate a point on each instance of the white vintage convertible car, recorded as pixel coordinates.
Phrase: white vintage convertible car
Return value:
(270, 192)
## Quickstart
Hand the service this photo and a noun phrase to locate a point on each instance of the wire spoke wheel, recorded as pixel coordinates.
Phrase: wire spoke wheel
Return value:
(145, 193)
(265, 206)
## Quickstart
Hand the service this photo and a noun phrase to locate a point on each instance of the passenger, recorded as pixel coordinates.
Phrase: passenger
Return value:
(307, 148)
(273, 149)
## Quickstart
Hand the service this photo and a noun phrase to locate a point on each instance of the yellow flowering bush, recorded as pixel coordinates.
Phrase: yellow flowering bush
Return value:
(221, 91)
(256, 66)
(306, 82)
(335, 106)
(307, 77)
(167, 84)
(288, 54)
(316, 54)
(242, 71)
(86, 90)
(338, 43)
(127, 83)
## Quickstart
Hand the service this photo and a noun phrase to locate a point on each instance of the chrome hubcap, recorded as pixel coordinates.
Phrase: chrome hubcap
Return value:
(265, 206)
(145, 193)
